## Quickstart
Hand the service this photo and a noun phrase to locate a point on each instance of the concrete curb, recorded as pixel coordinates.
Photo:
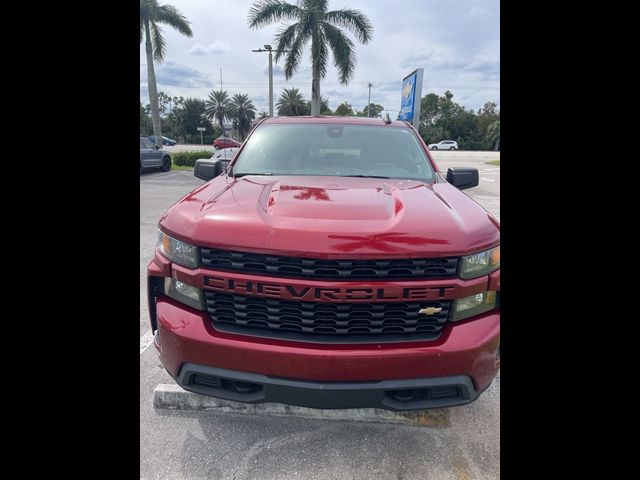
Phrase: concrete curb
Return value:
(174, 397)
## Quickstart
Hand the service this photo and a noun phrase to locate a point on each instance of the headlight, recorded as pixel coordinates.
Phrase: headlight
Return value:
(480, 264)
(473, 305)
(183, 292)
(177, 251)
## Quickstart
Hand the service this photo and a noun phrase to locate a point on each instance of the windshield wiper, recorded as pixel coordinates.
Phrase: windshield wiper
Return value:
(365, 176)
(238, 175)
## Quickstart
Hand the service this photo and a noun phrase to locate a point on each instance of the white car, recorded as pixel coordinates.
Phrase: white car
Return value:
(444, 145)
(225, 153)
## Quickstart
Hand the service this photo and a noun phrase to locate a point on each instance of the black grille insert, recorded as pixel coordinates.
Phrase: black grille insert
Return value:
(315, 268)
(333, 322)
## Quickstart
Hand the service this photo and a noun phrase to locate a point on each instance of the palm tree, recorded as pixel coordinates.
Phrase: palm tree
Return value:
(493, 135)
(291, 103)
(218, 107)
(152, 15)
(314, 23)
(324, 106)
(243, 112)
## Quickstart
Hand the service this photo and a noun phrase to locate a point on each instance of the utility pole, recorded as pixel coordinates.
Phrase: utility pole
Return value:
(369, 107)
(220, 78)
(269, 48)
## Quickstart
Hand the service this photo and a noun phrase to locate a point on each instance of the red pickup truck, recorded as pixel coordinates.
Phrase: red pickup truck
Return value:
(330, 264)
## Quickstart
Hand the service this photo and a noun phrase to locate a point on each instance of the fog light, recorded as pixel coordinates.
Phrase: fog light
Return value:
(184, 293)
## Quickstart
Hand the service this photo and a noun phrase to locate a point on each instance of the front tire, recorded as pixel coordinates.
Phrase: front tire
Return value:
(166, 164)
(452, 148)
(434, 148)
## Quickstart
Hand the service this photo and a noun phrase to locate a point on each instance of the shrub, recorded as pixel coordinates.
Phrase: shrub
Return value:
(189, 158)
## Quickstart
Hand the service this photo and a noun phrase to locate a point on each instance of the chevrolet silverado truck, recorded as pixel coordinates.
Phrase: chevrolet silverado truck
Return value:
(329, 264)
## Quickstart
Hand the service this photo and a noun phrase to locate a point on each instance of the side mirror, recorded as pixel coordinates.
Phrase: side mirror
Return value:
(206, 169)
(463, 177)
(157, 147)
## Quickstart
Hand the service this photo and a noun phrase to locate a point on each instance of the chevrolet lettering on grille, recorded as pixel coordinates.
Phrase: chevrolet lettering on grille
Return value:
(305, 293)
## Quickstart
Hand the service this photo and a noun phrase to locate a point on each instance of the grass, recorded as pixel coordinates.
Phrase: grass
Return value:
(181, 167)
(494, 162)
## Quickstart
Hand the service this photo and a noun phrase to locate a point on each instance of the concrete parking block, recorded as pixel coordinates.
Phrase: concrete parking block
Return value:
(174, 397)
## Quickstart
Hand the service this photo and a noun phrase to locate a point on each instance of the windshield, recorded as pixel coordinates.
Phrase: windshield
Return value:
(335, 150)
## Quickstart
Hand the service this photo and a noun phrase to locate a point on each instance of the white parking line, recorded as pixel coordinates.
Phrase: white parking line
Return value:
(145, 341)
(487, 179)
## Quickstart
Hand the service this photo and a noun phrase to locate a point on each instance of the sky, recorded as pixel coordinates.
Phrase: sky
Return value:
(456, 42)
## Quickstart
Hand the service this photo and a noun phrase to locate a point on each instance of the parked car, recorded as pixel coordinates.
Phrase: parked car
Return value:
(444, 145)
(165, 140)
(225, 142)
(225, 153)
(152, 156)
(332, 265)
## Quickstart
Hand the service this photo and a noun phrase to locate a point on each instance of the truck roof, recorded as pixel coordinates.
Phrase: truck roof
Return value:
(337, 120)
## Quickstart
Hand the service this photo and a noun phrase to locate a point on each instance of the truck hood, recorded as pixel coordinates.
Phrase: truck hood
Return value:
(332, 217)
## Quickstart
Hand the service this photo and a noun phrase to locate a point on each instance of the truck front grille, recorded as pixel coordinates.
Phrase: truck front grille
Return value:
(325, 322)
(323, 269)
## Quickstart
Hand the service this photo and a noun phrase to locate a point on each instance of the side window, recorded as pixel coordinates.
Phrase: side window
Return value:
(143, 144)
(148, 143)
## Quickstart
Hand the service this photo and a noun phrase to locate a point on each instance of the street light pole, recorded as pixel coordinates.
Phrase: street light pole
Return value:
(270, 83)
(369, 107)
(269, 48)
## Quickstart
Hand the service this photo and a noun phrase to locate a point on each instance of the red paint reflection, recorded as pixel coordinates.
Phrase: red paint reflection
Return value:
(307, 193)
(384, 242)
(397, 205)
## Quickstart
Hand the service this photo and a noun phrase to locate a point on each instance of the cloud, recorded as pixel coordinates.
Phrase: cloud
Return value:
(278, 71)
(214, 48)
(174, 74)
(480, 12)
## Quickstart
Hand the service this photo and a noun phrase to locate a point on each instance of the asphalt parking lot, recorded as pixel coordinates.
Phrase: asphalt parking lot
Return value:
(200, 445)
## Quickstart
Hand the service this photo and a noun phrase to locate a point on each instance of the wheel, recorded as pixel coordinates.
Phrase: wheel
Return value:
(166, 164)
(434, 148)
(452, 148)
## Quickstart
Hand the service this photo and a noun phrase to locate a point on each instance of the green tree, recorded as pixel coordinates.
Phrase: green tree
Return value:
(152, 15)
(487, 115)
(323, 28)
(243, 112)
(429, 109)
(344, 109)
(376, 110)
(193, 115)
(218, 107)
(263, 114)
(291, 103)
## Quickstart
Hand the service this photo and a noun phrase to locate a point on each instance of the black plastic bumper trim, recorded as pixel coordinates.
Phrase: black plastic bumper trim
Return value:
(325, 395)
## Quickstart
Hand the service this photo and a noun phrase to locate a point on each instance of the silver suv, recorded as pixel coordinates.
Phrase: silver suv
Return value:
(152, 156)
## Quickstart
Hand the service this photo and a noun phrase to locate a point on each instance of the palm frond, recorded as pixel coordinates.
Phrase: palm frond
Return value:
(157, 40)
(170, 15)
(318, 6)
(265, 12)
(343, 49)
(354, 21)
(284, 39)
(294, 56)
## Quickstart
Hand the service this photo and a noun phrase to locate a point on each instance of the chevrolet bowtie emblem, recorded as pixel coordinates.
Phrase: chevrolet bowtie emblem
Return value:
(429, 310)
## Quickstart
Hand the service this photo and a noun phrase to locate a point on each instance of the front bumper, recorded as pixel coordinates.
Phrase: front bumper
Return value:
(314, 372)
(397, 395)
